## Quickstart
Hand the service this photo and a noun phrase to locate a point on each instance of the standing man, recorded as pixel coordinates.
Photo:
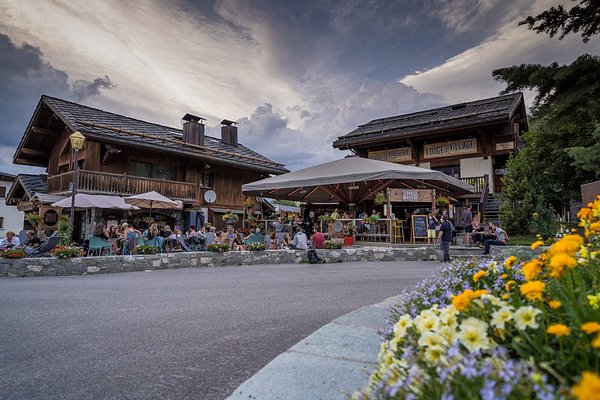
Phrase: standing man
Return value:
(445, 237)
(468, 224)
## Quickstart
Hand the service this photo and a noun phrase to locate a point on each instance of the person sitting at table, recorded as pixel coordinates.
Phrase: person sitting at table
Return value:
(478, 235)
(238, 243)
(113, 236)
(273, 238)
(211, 235)
(165, 231)
(501, 238)
(230, 237)
(32, 241)
(191, 234)
(201, 239)
(318, 239)
(286, 242)
(10, 241)
(100, 232)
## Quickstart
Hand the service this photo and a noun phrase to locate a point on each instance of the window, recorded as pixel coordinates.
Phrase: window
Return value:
(143, 169)
(167, 172)
(453, 170)
(1, 222)
(207, 178)
(3, 191)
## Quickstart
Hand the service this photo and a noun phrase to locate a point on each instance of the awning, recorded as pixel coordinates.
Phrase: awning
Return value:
(352, 180)
(95, 201)
(225, 210)
(46, 198)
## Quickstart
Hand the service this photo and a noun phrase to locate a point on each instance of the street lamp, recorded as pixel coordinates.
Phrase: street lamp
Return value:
(77, 140)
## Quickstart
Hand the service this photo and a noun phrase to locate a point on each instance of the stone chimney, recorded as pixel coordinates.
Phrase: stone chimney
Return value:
(229, 134)
(193, 129)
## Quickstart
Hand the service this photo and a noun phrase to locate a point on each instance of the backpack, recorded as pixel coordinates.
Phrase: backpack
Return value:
(313, 258)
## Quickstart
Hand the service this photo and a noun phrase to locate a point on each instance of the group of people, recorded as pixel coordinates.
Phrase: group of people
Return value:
(12, 241)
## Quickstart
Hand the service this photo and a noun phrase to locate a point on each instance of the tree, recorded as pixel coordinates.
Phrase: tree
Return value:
(584, 17)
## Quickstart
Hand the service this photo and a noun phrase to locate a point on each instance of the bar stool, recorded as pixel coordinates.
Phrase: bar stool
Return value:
(398, 231)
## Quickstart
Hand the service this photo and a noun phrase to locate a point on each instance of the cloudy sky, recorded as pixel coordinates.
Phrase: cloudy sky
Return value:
(294, 74)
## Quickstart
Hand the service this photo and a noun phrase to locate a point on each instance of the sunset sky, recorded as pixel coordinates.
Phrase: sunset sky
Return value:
(294, 74)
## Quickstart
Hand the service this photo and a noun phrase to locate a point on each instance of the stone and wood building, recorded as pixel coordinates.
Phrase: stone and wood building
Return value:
(124, 156)
(470, 141)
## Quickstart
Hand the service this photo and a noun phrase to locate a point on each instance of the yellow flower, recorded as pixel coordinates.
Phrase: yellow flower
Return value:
(588, 387)
(568, 244)
(594, 227)
(461, 301)
(478, 293)
(585, 214)
(473, 334)
(559, 262)
(525, 318)
(596, 342)
(554, 304)
(532, 269)
(594, 300)
(479, 275)
(510, 261)
(558, 330)
(503, 276)
(590, 327)
(537, 244)
(533, 290)
(505, 296)
(509, 285)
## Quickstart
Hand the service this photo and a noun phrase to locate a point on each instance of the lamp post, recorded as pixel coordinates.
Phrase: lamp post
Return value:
(77, 140)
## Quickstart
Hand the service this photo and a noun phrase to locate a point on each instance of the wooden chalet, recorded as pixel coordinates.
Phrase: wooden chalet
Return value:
(125, 156)
(470, 141)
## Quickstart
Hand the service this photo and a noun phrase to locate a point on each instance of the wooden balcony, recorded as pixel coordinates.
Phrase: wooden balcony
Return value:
(121, 185)
(477, 182)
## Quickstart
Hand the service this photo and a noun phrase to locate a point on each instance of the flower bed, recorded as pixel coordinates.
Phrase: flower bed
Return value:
(145, 249)
(218, 247)
(526, 328)
(12, 253)
(332, 245)
(66, 252)
(257, 246)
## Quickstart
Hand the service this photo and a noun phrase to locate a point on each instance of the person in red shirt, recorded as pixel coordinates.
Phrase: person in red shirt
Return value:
(318, 239)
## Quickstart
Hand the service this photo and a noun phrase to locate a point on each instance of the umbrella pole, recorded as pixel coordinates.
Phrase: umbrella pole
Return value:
(151, 209)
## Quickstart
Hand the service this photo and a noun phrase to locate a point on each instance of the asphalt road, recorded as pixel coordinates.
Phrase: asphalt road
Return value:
(176, 334)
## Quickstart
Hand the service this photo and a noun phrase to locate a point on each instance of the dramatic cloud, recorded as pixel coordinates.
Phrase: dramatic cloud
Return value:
(25, 77)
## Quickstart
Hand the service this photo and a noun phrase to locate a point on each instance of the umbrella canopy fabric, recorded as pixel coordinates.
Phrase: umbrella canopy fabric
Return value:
(151, 200)
(351, 180)
(83, 200)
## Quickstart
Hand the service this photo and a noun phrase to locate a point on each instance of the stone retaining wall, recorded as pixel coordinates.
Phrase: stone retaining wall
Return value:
(110, 264)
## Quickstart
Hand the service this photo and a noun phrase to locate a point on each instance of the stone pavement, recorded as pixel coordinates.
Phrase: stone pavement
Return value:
(335, 360)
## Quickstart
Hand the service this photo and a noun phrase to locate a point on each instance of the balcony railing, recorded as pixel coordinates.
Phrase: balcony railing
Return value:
(121, 185)
(477, 182)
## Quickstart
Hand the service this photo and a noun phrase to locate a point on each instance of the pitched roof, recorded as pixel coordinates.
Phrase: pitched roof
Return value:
(6, 176)
(456, 116)
(33, 184)
(118, 129)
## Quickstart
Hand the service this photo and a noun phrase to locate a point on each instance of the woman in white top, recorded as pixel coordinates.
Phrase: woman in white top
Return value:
(10, 241)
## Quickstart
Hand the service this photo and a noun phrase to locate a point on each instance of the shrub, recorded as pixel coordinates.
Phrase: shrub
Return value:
(66, 252)
(145, 249)
(330, 244)
(523, 328)
(256, 246)
(218, 247)
(65, 230)
(13, 253)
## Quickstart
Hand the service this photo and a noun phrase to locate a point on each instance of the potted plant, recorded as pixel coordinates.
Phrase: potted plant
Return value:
(65, 230)
(442, 202)
(230, 218)
(248, 205)
(34, 218)
(145, 249)
(380, 198)
(12, 253)
(332, 245)
(257, 246)
(252, 221)
(66, 252)
(218, 247)
(349, 238)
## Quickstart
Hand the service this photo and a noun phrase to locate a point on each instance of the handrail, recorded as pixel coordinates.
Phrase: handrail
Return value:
(484, 194)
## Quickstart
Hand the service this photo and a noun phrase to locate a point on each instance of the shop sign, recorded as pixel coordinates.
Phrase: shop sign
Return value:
(25, 206)
(505, 146)
(392, 155)
(411, 195)
(454, 148)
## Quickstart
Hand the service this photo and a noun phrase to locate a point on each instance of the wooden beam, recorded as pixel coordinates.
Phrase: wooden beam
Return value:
(332, 193)
(376, 189)
(311, 192)
(43, 131)
(34, 152)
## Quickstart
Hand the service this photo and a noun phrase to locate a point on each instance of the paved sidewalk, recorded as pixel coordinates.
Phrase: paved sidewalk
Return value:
(335, 360)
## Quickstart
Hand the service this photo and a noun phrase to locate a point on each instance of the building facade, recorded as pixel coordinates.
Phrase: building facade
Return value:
(124, 156)
(11, 219)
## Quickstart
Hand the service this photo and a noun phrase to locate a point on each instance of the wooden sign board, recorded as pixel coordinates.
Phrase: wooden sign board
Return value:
(419, 227)
(411, 195)
(505, 146)
(392, 155)
(454, 148)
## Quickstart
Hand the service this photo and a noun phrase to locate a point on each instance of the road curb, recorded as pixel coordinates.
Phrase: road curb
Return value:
(334, 360)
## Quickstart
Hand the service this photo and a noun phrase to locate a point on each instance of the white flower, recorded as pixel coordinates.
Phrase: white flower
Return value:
(402, 325)
(427, 322)
(448, 333)
(435, 355)
(473, 334)
(430, 339)
(525, 318)
(493, 300)
(448, 317)
(501, 316)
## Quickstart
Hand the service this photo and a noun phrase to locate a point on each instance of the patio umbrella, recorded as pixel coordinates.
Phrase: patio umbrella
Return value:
(83, 200)
(151, 200)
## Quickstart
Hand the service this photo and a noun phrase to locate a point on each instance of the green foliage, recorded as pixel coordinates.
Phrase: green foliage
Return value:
(145, 249)
(582, 17)
(330, 244)
(12, 253)
(560, 148)
(380, 198)
(66, 252)
(65, 230)
(218, 247)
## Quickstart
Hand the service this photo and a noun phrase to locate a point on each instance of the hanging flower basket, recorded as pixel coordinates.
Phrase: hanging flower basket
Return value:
(380, 198)
(442, 202)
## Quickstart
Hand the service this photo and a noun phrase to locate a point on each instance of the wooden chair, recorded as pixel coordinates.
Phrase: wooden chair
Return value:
(398, 231)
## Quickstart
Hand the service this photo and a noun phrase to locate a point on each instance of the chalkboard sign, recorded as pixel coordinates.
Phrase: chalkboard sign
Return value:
(419, 227)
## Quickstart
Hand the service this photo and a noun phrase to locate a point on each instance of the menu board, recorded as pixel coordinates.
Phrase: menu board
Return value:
(419, 226)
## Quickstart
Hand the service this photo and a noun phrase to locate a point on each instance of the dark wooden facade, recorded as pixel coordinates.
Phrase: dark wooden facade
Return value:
(124, 156)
